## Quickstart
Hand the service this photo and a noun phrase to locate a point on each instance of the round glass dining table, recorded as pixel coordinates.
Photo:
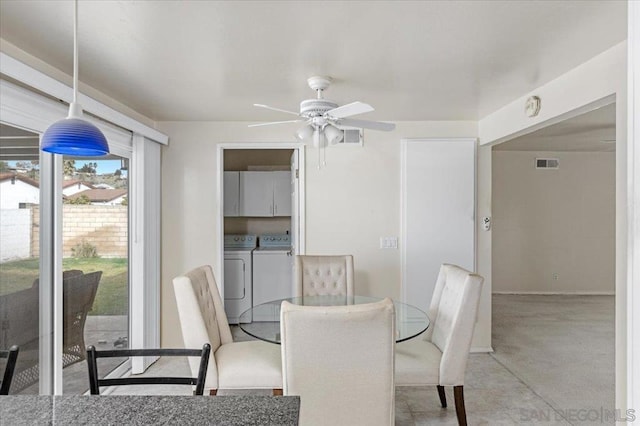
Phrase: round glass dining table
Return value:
(263, 321)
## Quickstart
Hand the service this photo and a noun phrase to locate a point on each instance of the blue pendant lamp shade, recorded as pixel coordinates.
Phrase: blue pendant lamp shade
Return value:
(74, 136)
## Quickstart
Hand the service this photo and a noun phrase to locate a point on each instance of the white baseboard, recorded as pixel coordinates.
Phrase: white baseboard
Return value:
(481, 349)
(559, 293)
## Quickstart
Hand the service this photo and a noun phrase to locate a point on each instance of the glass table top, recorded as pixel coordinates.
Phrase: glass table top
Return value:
(263, 321)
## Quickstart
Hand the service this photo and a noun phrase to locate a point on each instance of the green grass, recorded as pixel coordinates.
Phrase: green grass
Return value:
(112, 297)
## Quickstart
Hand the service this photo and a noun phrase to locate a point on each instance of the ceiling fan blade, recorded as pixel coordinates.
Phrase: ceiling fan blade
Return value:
(276, 109)
(354, 108)
(363, 124)
(274, 122)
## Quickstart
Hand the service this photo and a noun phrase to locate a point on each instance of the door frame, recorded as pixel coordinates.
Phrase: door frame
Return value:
(299, 209)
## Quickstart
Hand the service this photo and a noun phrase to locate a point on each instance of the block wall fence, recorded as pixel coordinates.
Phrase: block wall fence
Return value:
(104, 227)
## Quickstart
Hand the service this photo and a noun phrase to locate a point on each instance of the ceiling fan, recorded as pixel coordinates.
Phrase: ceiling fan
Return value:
(325, 120)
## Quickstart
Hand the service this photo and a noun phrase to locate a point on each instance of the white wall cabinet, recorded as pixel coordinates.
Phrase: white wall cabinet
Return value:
(231, 200)
(281, 193)
(265, 194)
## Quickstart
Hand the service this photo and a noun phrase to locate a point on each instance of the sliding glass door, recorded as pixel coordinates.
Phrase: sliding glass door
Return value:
(19, 254)
(95, 259)
(95, 263)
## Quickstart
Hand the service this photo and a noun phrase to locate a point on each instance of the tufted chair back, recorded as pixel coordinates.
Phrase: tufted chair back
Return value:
(453, 312)
(324, 275)
(343, 369)
(202, 316)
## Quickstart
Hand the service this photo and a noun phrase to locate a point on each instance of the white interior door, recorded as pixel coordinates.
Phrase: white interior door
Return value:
(438, 202)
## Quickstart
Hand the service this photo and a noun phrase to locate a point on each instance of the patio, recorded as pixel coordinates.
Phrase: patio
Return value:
(102, 331)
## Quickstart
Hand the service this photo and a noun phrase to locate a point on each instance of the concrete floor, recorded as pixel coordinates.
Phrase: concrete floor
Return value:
(562, 347)
(552, 365)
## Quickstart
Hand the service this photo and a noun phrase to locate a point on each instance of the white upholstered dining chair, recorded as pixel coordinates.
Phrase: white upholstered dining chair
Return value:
(343, 369)
(324, 276)
(439, 357)
(232, 365)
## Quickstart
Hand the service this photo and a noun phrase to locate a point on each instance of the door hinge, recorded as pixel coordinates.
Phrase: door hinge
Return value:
(297, 174)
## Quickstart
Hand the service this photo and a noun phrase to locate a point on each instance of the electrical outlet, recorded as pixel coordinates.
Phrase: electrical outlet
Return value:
(555, 276)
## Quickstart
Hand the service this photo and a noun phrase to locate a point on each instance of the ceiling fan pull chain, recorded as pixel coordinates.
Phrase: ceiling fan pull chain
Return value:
(324, 151)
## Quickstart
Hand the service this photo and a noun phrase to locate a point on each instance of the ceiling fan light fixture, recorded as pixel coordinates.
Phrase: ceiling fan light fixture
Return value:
(333, 135)
(304, 133)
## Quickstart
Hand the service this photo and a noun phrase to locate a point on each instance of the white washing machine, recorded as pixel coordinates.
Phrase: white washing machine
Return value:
(272, 270)
(238, 275)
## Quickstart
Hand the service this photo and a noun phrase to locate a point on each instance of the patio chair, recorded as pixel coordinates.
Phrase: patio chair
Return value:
(79, 292)
(19, 323)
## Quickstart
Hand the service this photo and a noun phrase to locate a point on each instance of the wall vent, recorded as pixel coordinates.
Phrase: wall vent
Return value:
(547, 163)
(352, 136)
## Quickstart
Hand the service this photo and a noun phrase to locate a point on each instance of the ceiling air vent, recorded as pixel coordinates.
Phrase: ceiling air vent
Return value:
(547, 163)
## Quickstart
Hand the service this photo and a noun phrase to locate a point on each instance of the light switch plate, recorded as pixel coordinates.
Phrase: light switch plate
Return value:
(388, 242)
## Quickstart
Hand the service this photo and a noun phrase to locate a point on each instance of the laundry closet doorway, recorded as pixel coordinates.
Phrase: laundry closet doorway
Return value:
(260, 195)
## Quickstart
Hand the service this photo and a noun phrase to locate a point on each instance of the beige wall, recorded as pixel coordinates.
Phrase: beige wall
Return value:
(350, 204)
(597, 82)
(548, 222)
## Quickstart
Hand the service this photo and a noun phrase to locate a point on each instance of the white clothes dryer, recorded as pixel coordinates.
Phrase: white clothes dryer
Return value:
(238, 275)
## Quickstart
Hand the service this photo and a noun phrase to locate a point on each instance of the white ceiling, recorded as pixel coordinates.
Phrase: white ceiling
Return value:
(411, 60)
(594, 131)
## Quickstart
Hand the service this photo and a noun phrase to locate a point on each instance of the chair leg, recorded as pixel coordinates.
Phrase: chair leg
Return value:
(277, 392)
(213, 392)
(460, 412)
(443, 397)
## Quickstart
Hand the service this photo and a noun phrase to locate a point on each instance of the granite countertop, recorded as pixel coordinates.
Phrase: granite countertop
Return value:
(149, 410)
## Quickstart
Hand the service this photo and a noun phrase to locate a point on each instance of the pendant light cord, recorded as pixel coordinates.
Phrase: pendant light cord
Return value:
(75, 52)
(74, 135)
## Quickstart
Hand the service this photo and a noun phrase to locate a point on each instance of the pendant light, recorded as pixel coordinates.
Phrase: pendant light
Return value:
(74, 135)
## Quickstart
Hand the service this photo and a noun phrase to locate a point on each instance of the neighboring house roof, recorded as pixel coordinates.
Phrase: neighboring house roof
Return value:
(68, 183)
(19, 176)
(103, 186)
(100, 195)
